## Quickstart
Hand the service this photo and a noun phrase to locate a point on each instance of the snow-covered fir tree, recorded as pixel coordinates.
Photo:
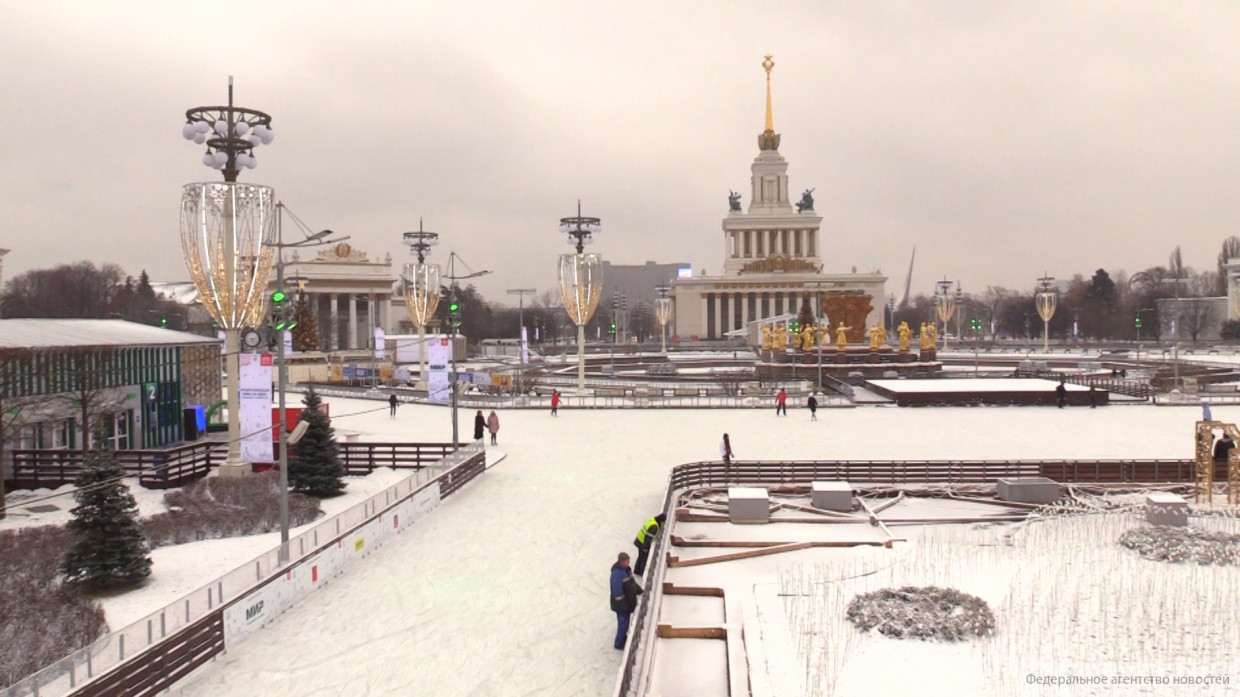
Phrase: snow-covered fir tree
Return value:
(314, 464)
(111, 549)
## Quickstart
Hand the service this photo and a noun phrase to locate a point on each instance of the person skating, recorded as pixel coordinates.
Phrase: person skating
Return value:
(1224, 446)
(812, 403)
(1093, 397)
(1061, 393)
(493, 427)
(645, 538)
(392, 405)
(781, 402)
(480, 425)
(624, 592)
(725, 450)
(555, 401)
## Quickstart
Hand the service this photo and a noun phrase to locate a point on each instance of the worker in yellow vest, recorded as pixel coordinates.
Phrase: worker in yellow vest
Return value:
(645, 538)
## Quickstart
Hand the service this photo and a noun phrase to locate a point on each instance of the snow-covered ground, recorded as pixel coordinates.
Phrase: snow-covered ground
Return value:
(971, 385)
(502, 590)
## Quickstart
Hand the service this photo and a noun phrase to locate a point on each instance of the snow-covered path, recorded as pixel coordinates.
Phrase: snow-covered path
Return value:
(501, 591)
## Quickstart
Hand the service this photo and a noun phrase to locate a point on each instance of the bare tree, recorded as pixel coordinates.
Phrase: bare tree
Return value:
(1196, 316)
(93, 395)
(1230, 250)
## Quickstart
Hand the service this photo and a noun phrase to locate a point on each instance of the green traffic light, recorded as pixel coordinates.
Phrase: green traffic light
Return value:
(278, 296)
(454, 307)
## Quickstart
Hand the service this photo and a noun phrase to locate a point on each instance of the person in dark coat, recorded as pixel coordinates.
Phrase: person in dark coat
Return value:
(480, 425)
(1223, 447)
(624, 592)
(645, 538)
(1093, 397)
(1061, 393)
(392, 405)
(812, 403)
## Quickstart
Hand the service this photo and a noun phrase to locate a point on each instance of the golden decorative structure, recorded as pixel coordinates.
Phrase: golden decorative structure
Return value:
(841, 336)
(769, 139)
(849, 309)
(923, 338)
(780, 343)
(933, 334)
(807, 337)
(878, 336)
(905, 335)
(766, 337)
(581, 286)
(1203, 476)
(822, 337)
(780, 263)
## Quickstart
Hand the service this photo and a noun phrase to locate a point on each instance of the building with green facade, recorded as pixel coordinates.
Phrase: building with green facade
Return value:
(133, 380)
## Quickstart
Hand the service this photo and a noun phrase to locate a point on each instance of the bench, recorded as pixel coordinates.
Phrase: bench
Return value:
(647, 392)
(687, 392)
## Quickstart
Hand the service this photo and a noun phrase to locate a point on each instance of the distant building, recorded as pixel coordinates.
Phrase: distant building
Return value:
(135, 377)
(1192, 319)
(637, 283)
(773, 263)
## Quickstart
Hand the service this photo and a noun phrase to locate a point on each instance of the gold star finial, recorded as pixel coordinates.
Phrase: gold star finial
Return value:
(769, 139)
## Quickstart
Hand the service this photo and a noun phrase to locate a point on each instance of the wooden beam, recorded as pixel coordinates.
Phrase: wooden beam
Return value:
(678, 541)
(666, 631)
(676, 562)
(670, 588)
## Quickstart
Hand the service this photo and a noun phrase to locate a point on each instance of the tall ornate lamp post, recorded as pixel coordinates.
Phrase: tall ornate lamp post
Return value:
(581, 281)
(228, 232)
(1046, 300)
(945, 304)
(663, 312)
(454, 326)
(421, 287)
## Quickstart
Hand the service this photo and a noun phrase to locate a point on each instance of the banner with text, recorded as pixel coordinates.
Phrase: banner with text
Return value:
(255, 412)
(437, 358)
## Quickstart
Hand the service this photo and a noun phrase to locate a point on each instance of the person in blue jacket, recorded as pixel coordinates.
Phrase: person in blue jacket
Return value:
(624, 592)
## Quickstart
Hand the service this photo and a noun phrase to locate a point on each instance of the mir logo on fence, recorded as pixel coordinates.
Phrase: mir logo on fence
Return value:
(254, 611)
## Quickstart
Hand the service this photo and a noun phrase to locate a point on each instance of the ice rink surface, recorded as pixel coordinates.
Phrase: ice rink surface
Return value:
(502, 590)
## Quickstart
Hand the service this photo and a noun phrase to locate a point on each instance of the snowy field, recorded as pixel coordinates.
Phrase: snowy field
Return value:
(969, 385)
(502, 591)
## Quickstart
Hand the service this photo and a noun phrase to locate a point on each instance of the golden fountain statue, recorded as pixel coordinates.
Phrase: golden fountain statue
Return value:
(905, 335)
(841, 336)
(780, 341)
(766, 337)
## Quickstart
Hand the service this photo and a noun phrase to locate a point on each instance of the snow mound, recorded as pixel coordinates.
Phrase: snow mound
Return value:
(926, 612)
(1183, 544)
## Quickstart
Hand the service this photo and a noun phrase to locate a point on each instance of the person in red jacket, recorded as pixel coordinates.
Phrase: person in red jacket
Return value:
(781, 402)
(555, 401)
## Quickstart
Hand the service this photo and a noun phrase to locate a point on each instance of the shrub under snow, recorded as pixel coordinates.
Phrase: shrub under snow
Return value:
(926, 612)
(1183, 544)
(218, 507)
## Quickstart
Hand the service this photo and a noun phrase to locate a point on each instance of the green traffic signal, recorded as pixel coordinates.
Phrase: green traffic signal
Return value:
(278, 297)
(454, 307)
(1138, 321)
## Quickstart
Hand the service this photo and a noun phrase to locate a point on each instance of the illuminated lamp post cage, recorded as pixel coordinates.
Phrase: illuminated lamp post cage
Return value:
(228, 232)
(1046, 300)
(581, 281)
(421, 287)
(663, 312)
(945, 305)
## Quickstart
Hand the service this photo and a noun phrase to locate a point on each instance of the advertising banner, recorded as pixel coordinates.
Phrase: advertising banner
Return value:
(525, 346)
(255, 412)
(380, 343)
(437, 359)
(288, 343)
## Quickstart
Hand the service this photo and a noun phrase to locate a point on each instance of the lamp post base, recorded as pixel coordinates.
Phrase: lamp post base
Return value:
(234, 469)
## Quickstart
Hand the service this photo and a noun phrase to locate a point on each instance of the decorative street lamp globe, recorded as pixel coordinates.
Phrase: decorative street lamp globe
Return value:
(663, 312)
(421, 287)
(227, 235)
(945, 305)
(1046, 300)
(581, 281)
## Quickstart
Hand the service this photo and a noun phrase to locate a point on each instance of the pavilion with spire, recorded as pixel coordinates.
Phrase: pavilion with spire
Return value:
(773, 261)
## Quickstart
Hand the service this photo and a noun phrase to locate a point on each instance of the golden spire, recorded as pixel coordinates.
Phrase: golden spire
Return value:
(767, 64)
(769, 139)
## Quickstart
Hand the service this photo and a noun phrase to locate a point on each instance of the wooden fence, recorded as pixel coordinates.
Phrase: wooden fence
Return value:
(173, 467)
(931, 471)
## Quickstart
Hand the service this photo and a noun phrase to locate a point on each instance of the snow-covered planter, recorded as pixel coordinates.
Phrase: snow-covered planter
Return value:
(1183, 544)
(922, 612)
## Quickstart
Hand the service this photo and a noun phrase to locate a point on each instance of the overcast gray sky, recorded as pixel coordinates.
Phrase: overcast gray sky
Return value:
(1003, 139)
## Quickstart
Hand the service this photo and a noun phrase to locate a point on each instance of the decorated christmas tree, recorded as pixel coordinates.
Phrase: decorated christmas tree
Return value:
(111, 549)
(306, 333)
(314, 464)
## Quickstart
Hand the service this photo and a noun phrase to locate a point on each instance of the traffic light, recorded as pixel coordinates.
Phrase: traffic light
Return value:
(163, 321)
(794, 327)
(454, 314)
(1138, 321)
(612, 329)
(281, 312)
